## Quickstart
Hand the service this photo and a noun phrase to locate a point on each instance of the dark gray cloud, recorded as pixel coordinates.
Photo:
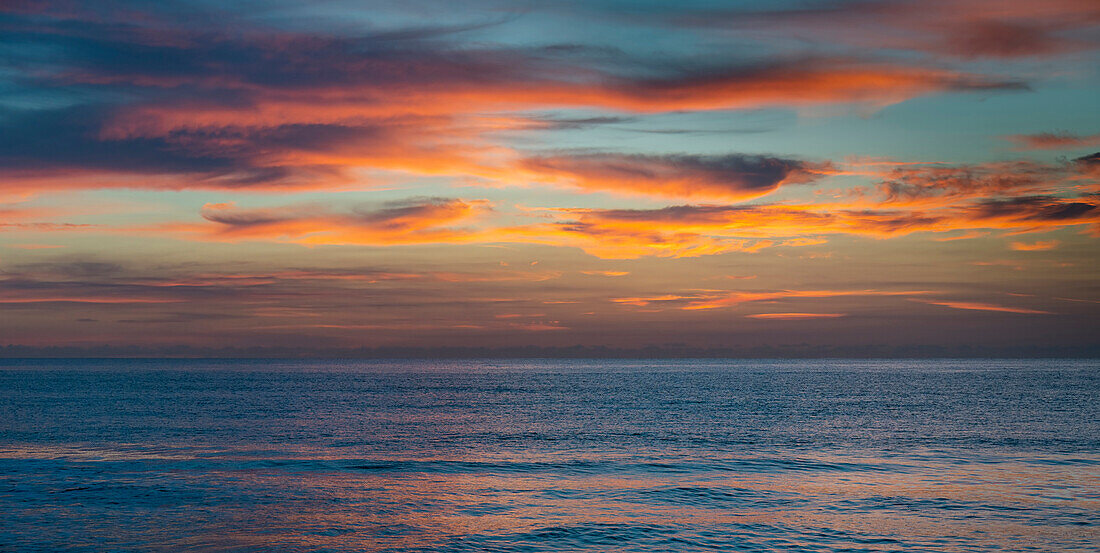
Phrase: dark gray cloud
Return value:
(170, 88)
(731, 176)
(1089, 164)
(965, 29)
(1037, 208)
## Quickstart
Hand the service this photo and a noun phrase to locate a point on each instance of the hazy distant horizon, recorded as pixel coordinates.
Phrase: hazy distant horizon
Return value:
(538, 352)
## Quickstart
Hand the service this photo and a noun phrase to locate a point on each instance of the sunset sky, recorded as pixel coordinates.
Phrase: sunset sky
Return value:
(343, 174)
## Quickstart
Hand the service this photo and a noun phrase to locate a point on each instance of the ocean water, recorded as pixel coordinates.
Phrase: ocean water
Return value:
(552, 455)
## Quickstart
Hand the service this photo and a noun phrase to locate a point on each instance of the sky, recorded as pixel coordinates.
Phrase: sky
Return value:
(319, 176)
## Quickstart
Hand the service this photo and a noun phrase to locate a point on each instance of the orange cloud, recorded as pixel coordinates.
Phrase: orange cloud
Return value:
(267, 110)
(736, 298)
(798, 83)
(23, 218)
(644, 301)
(539, 327)
(780, 83)
(1042, 245)
(961, 29)
(968, 235)
(320, 111)
(1089, 168)
(694, 230)
(937, 185)
(1077, 300)
(795, 316)
(325, 138)
(674, 231)
(1054, 141)
(713, 299)
(606, 273)
(984, 307)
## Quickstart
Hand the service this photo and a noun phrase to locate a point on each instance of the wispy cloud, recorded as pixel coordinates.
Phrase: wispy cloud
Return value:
(1039, 246)
(730, 177)
(1054, 141)
(795, 316)
(976, 306)
(156, 104)
(417, 221)
(958, 29)
(714, 299)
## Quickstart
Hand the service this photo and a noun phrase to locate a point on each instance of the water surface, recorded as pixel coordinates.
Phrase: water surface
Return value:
(555, 455)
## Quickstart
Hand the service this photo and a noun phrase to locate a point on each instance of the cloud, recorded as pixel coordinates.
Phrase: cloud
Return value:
(554, 122)
(1089, 166)
(1035, 210)
(715, 299)
(606, 273)
(1054, 141)
(1000, 39)
(799, 82)
(795, 316)
(363, 276)
(82, 299)
(936, 184)
(694, 230)
(965, 200)
(138, 99)
(415, 221)
(1041, 245)
(975, 306)
(15, 217)
(731, 177)
(968, 235)
(83, 147)
(958, 29)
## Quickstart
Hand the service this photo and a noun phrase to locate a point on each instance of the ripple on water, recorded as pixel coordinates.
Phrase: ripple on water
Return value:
(951, 456)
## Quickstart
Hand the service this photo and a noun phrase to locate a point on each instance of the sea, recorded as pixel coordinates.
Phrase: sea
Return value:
(549, 455)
